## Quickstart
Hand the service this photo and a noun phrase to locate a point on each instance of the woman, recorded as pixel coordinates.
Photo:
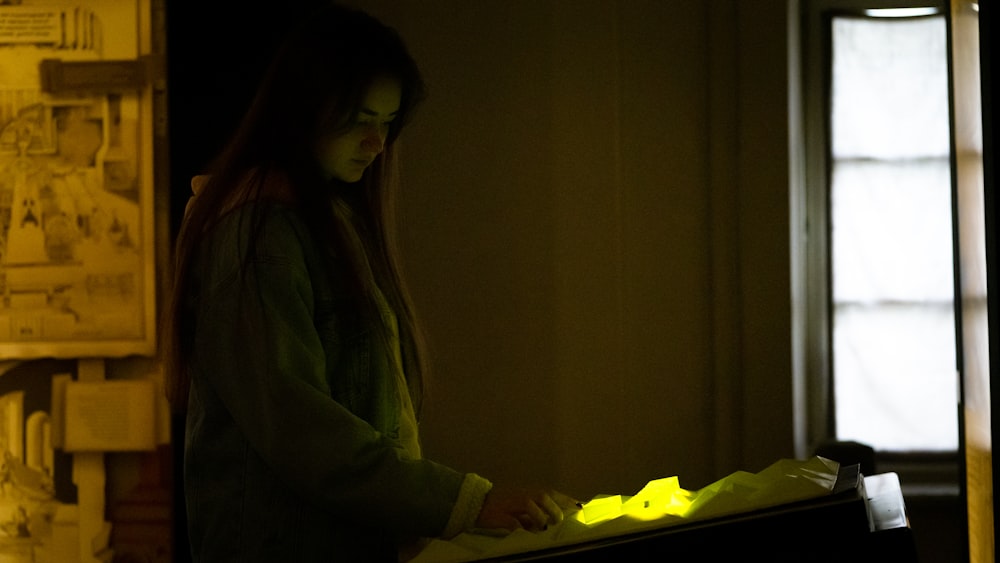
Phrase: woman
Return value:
(291, 341)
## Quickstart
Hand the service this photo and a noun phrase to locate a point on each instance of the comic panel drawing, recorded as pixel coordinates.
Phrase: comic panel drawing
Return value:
(75, 201)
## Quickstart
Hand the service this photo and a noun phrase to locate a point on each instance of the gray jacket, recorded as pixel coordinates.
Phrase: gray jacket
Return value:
(289, 448)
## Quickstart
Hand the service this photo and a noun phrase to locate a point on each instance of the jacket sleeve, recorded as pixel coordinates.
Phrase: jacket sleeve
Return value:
(273, 384)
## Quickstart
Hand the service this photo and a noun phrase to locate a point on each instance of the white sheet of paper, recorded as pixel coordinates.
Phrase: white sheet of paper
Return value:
(109, 416)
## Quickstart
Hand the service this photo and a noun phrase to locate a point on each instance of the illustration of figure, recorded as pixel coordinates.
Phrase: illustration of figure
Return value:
(25, 240)
(28, 214)
(17, 526)
(29, 483)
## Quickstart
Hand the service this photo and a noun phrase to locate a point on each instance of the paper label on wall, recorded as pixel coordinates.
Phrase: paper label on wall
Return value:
(110, 416)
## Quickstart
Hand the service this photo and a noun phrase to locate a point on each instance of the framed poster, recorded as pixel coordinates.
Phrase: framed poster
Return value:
(77, 264)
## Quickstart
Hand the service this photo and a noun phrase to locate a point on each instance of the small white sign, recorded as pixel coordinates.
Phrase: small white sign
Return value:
(108, 416)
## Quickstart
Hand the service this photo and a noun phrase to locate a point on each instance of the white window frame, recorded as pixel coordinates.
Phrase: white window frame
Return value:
(810, 253)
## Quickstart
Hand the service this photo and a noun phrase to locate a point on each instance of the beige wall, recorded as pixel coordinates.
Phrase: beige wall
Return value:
(596, 231)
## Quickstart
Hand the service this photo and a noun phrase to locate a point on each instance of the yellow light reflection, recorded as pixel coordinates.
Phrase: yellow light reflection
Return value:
(601, 509)
(659, 498)
(782, 482)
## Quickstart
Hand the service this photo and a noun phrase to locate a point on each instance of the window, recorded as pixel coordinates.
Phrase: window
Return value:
(891, 271)
(876, 241)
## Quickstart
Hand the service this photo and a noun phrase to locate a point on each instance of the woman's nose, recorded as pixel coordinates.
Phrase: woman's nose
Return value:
(374, 140)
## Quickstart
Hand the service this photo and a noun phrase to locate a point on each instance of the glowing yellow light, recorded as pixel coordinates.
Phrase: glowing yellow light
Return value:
(664, 499)
(602, 509)
(657, 499)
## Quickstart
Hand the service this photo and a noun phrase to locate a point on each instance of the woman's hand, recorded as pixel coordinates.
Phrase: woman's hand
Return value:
(511, 508)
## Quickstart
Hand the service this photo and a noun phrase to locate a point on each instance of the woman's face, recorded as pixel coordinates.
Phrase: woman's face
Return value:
(346, 155)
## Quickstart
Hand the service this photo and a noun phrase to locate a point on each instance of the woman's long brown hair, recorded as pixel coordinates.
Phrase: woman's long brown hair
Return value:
(316, 83)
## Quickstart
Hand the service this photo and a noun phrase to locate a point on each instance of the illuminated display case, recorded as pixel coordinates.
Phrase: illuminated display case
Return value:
(814, 510)
(862, 519)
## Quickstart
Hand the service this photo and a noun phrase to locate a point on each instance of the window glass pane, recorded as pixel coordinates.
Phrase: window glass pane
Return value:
(892, 270)
(889, 88)
(895, 377)
(891, 231)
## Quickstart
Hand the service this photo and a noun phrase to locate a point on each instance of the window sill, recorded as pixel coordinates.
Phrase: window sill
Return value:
(930, 491)
(923, 475)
